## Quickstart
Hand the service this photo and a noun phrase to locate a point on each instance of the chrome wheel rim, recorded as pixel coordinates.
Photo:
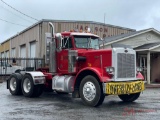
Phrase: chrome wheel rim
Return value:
(26, 85)
(13, 84)
(89, 91)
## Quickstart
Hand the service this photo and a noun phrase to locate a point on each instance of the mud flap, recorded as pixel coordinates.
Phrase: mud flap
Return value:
(7, 84)
(75, 94)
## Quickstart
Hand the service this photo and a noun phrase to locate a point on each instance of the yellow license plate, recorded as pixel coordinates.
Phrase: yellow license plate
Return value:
(118, 88)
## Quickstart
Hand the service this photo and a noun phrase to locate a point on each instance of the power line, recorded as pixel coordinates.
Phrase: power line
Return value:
(19, 11)
(15, 14)
(12, 23)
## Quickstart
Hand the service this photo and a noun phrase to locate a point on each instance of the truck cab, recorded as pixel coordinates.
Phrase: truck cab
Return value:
(71, 49)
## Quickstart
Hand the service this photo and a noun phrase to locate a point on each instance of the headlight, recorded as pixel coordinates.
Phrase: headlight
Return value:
(139, 69)
(110, 70)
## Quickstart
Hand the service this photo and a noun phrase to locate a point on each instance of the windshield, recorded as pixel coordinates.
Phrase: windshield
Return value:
(86, 42)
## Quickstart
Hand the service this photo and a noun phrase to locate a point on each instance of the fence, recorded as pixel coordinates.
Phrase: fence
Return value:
(11, 65)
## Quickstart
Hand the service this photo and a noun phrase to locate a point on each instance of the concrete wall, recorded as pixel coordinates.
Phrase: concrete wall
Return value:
(5, 46)
(25, 39)
(99, 29)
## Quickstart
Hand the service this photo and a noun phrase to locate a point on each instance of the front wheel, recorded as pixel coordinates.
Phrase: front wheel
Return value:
(29, 89)
(91, 91)
(129, 97)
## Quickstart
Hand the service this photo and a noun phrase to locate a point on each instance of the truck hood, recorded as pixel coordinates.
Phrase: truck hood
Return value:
(96, 58)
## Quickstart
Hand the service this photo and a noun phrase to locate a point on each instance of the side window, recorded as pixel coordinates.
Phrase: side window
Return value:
(67, 43)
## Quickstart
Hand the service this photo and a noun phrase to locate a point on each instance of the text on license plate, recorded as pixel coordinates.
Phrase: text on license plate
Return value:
(118, 88)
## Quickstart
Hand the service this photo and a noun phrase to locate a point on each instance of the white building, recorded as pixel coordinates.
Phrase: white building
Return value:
(147, 45)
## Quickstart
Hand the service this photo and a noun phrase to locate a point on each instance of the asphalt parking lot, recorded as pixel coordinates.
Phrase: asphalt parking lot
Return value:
(52, 106)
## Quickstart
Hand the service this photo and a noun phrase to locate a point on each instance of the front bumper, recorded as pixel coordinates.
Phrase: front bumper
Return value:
(126, 87)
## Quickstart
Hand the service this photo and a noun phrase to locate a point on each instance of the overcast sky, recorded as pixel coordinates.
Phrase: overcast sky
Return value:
(135, 14)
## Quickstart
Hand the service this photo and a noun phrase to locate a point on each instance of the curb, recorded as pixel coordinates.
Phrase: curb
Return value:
(152, 85)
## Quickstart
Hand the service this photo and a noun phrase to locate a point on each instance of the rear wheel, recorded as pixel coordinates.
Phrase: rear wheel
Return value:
(18, 71)
(130, 97)
(14, 85)
(29, 89)
(91, 91)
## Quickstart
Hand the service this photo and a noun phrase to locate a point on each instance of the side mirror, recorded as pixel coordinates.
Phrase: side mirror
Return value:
(59, 42)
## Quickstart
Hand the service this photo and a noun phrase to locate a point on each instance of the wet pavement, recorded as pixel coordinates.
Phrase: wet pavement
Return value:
(51, 106)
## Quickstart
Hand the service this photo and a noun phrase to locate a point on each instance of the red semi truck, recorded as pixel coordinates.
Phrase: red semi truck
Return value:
(77, 65)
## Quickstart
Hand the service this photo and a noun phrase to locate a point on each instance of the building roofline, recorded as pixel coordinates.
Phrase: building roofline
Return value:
(139, 50)
(154, 47)
(91, 22)
(68, 21)
(22, 31)
(133, 35)
(149, 49)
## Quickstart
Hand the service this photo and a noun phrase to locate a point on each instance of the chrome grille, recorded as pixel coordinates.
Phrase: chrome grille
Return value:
(125, 65)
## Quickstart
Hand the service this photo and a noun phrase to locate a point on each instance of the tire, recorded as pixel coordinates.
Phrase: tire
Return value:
(95, 95)
(14, 85)
(18, 71)
(48, 90)
(61, 92)
(129, 98)
(29, 89)
(39, 89)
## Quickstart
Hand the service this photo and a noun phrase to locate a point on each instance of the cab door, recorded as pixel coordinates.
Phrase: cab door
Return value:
(63, 55)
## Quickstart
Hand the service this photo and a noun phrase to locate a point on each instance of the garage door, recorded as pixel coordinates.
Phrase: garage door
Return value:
(32, 53)
(23, 51)
(33, 49)
(23, 55)
(13, 52)
(2, 54)
(7, 54)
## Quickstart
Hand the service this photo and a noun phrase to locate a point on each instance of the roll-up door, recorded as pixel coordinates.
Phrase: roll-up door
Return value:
(23, 55)
(33, 49)
(23, 51)
(32, 53)
(13, 52)
(7, 54)
(2, 54)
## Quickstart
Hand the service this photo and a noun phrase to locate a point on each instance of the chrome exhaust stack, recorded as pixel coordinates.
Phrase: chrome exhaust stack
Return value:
(52, 51)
